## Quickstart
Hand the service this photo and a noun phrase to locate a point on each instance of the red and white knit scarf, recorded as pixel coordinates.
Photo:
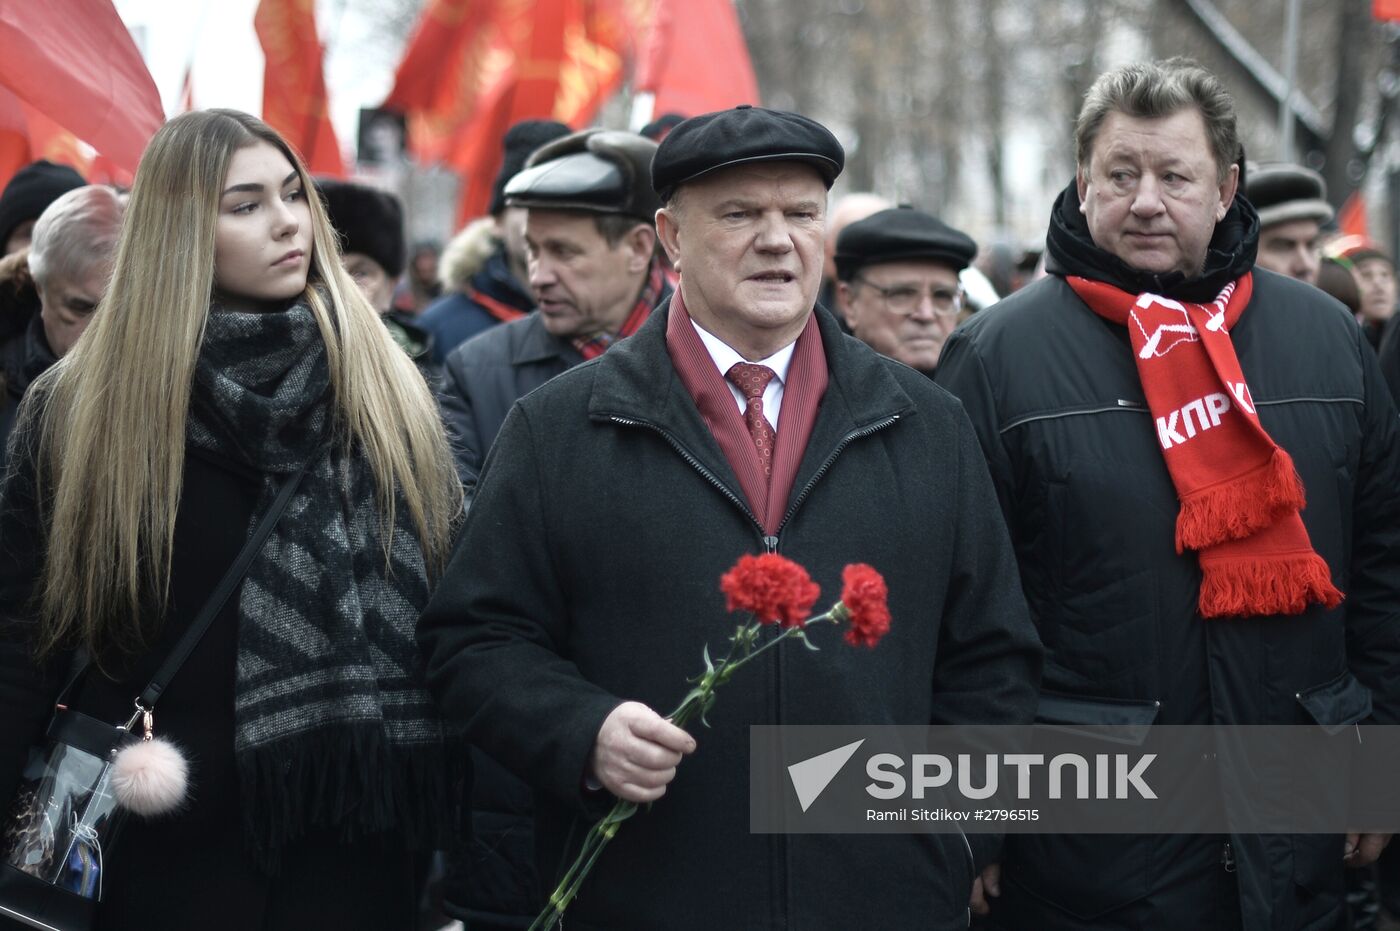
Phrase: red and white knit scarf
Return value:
(1240, 494)
(595, 346)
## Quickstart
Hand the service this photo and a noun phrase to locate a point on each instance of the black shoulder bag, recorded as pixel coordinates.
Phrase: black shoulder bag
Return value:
(65, 817)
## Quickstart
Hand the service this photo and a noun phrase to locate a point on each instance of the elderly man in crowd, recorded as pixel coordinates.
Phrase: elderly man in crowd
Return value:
(68, 262)
(738, 420)
(899, 288)
(594, 270)
(1292, 204)
(1157, 413)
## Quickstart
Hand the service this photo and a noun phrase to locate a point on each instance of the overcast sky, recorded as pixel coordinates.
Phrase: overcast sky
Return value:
(218, 37)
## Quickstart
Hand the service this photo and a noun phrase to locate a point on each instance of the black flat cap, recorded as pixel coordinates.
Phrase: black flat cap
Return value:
(712, 141)
(899, 234)
(1282, 192)
(600, 170)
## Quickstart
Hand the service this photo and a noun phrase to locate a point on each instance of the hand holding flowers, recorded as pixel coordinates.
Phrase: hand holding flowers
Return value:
(637, 751)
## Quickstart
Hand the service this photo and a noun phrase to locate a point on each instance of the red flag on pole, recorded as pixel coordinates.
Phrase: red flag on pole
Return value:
(694, 60)
(294, 84)
(74, 62)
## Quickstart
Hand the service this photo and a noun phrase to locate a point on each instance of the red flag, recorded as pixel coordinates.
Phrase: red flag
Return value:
(1385, 9)
(1351, 219)
(294, 85)
(14, 137)
(677, 64)
(473, 70)
(74, 62)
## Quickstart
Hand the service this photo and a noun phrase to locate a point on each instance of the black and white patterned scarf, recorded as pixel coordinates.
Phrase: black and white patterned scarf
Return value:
(334, 727)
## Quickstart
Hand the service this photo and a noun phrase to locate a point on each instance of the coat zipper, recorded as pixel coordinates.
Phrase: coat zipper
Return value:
(770, 543)
(697, 465)
(845, 441)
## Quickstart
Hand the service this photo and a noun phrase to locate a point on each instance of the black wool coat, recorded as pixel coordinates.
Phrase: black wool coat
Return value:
(587, 574)
(1054, 394)
(191, 869)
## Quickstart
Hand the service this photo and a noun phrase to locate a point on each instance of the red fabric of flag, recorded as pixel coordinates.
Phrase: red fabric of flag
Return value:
(694, 59)
(74, 62)
(1351, 219)
(294, 84)
(1385, 9)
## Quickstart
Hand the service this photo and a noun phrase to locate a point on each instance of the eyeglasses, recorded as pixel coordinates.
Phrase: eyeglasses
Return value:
(905, 300)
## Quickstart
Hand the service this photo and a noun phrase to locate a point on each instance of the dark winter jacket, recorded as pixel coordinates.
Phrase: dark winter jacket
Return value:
(1054, 394)
(587, 575)
(484, 377)
(189, 870)
(475, 261)
(24, 350)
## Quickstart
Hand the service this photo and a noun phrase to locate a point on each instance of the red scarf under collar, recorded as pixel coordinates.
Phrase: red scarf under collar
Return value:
(1240, 495)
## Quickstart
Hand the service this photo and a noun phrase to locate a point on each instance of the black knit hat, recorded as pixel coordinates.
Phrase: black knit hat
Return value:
(520, 140)
(603, 170)
(706, 143)
(30, 192)
(899, 234)
(369, 221)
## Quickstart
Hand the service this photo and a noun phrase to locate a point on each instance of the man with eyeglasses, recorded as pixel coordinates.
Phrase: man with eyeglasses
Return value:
(898, 283)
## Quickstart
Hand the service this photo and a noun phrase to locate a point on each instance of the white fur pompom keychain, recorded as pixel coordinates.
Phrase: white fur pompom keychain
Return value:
(149, 777)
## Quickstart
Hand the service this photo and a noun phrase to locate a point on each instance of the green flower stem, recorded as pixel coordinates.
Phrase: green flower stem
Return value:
(697, 702)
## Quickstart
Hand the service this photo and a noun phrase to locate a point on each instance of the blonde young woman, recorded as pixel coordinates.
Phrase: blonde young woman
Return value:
(229, 351)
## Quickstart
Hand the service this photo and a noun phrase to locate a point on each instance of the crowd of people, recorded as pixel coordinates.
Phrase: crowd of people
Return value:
(1155, 481)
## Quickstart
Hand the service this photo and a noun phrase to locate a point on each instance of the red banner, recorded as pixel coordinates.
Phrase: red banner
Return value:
(294, 84)
(73, 63)
(474, 69)
(694, 59)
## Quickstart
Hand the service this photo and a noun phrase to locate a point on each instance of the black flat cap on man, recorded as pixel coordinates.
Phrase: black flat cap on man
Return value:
(1282, 192)
(712, 141)
(606, 171)
(369, 221)
(520, 141)
(899, 234)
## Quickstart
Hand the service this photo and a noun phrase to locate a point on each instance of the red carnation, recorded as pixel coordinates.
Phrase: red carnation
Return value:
(772, 587)
(865, 597)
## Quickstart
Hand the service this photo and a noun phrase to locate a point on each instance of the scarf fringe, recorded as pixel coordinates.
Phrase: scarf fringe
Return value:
(352, 782)
(1240, 507)
(1238, 587)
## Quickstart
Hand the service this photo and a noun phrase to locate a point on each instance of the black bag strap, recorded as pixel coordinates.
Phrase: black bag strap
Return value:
(215, 603)
(220, 595)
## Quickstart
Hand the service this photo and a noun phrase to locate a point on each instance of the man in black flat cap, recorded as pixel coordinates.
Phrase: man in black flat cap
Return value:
(898, 283)
(736, 421)
(1292, 205)
(593, 269)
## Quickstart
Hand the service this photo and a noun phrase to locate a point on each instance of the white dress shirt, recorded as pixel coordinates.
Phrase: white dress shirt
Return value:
(724, 358)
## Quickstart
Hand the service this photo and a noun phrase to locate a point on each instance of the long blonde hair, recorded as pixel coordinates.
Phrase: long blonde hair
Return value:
(111, 414)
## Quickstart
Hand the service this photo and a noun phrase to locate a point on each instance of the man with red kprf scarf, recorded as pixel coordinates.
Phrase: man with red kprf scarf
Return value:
(594, 270)
(1199, 465)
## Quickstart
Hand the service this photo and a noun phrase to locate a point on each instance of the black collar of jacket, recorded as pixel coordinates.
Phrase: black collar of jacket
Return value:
(637, 380)
(1070, 250)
